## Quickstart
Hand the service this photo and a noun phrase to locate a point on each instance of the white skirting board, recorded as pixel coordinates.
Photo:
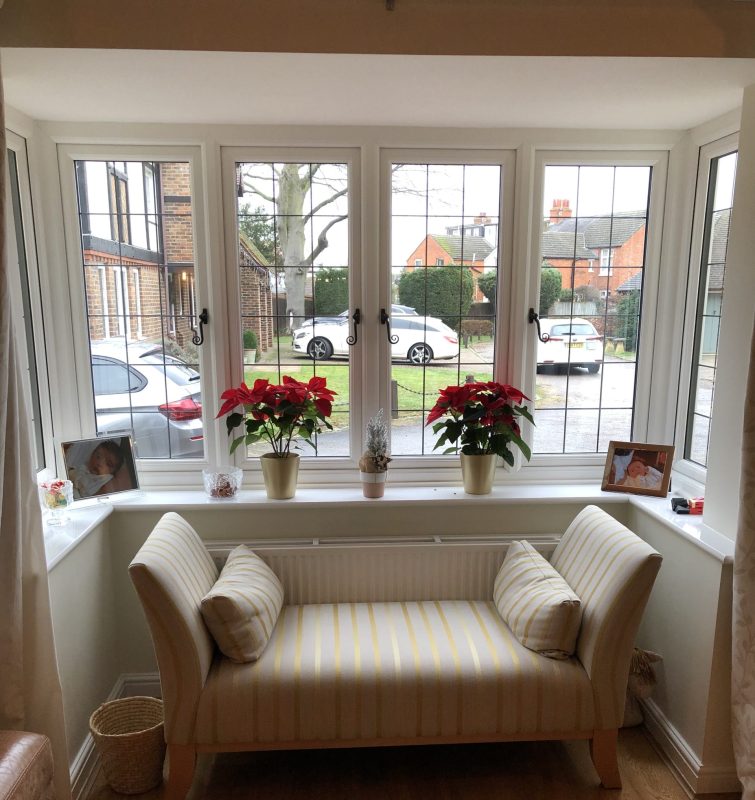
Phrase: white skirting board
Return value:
(696, 777)
(86, 764)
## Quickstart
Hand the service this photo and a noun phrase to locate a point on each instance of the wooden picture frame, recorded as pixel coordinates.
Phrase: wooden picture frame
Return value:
(638, 468)
(109, 470)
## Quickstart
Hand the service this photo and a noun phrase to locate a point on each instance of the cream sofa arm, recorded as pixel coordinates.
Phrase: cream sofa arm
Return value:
(171, 573)
(613, 571)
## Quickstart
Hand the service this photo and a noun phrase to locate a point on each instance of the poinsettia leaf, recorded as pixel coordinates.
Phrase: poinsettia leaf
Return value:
(233, 421)
(508, 457)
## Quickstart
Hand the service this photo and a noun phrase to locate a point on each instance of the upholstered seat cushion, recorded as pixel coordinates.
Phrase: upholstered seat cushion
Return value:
(391, 671)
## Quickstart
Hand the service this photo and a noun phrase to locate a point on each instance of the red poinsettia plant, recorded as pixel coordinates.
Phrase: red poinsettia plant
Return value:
(481, 419)
(278, 413)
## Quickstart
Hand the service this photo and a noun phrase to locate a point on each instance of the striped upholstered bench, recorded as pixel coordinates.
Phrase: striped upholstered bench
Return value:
(375, 668)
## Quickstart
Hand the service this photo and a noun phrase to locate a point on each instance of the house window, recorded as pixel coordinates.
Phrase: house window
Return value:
(586, 372)
(292, 267)
(25, 295)
(417, 262)
(442, 342)
(605, 262)
(715, 239)
(135, 220)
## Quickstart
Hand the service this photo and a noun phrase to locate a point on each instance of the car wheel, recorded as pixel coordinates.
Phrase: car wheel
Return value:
(593, 369)
(420, 354)
(320, 349)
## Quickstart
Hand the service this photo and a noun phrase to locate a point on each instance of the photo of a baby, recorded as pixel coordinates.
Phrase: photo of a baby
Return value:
(98, 467)
(638, 468)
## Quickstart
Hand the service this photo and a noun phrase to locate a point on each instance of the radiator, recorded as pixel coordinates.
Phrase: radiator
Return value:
(362, 570)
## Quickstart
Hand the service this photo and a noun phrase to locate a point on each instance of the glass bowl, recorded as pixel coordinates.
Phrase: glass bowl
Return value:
(222, 483)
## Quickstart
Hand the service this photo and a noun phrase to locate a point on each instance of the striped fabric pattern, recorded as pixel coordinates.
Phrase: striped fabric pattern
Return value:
(172, 572)
(536, 602)
(612, 570)
(389, 670)
(242, 607)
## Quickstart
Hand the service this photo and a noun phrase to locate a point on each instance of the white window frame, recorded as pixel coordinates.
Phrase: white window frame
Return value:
(159, 471)
(543, 465)
(691, 471)
(417, 467)
(515, 346)
(605, 262)
(138, 299)
(319, 469)
(18, 145)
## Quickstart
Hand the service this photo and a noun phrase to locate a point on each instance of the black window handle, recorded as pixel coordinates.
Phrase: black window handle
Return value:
(533, 317)
(198, 337)
(357, 317)
(386, 320)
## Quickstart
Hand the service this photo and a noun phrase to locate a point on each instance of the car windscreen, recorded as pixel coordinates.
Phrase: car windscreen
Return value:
(575, 329)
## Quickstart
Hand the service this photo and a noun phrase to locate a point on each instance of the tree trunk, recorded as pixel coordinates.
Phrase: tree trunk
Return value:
(292, 191)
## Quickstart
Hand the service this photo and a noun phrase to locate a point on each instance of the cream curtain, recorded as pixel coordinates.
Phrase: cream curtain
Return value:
(743, 661)
(30, 695)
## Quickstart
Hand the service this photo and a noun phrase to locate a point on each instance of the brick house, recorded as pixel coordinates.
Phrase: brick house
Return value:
(437, 250)
(137, 239)
(601, 251)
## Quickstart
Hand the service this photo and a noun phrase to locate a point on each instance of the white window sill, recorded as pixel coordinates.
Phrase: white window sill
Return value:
(82, 520)
(60, 540)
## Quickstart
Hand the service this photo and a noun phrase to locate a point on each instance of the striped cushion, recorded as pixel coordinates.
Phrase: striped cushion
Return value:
(536, 602)
(242, 607)
(391, 671)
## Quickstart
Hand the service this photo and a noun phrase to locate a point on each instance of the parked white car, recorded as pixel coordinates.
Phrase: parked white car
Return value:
(572, 343)
(140, 388)
(420, 339)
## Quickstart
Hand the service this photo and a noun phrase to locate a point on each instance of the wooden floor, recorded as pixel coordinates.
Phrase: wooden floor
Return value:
(527, 770)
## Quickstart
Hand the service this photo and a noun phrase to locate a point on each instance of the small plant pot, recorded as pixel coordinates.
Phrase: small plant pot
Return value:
(478, 473)
(280, 474)
(373, 483)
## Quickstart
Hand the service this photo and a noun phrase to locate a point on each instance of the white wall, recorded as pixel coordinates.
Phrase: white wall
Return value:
(688, 621)
(83, 615)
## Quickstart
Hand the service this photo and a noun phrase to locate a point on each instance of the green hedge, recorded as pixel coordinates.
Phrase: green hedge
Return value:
(331, 291)
(444, 292)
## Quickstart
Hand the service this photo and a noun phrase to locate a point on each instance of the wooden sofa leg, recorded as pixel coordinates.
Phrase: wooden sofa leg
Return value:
(603, 752)
(182, 759)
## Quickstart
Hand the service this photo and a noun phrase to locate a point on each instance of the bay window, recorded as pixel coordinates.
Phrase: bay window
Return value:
(391, 286)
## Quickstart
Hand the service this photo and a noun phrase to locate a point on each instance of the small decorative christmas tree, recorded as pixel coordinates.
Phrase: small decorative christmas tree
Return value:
(375, 458)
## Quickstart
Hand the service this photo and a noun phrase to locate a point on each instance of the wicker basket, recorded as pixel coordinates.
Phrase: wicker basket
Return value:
(129, 735)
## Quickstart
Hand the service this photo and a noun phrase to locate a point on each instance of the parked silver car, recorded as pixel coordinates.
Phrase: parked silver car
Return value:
(140, 388)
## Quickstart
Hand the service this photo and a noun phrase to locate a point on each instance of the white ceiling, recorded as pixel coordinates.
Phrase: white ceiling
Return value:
(320, 89)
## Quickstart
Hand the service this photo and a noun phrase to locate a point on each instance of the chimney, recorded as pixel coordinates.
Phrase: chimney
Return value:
(559, 210)
(482, 219)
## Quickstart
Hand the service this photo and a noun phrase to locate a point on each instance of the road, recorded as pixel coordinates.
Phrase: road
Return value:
(575, 413)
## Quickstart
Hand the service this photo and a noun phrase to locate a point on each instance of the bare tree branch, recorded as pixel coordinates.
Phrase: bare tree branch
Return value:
(322, 241)
(326, 202)
(254, 190)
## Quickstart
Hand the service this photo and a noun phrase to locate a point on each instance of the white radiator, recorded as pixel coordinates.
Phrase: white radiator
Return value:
(432, 568)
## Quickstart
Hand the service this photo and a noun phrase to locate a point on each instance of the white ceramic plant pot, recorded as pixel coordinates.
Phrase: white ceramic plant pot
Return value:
(373, 483)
